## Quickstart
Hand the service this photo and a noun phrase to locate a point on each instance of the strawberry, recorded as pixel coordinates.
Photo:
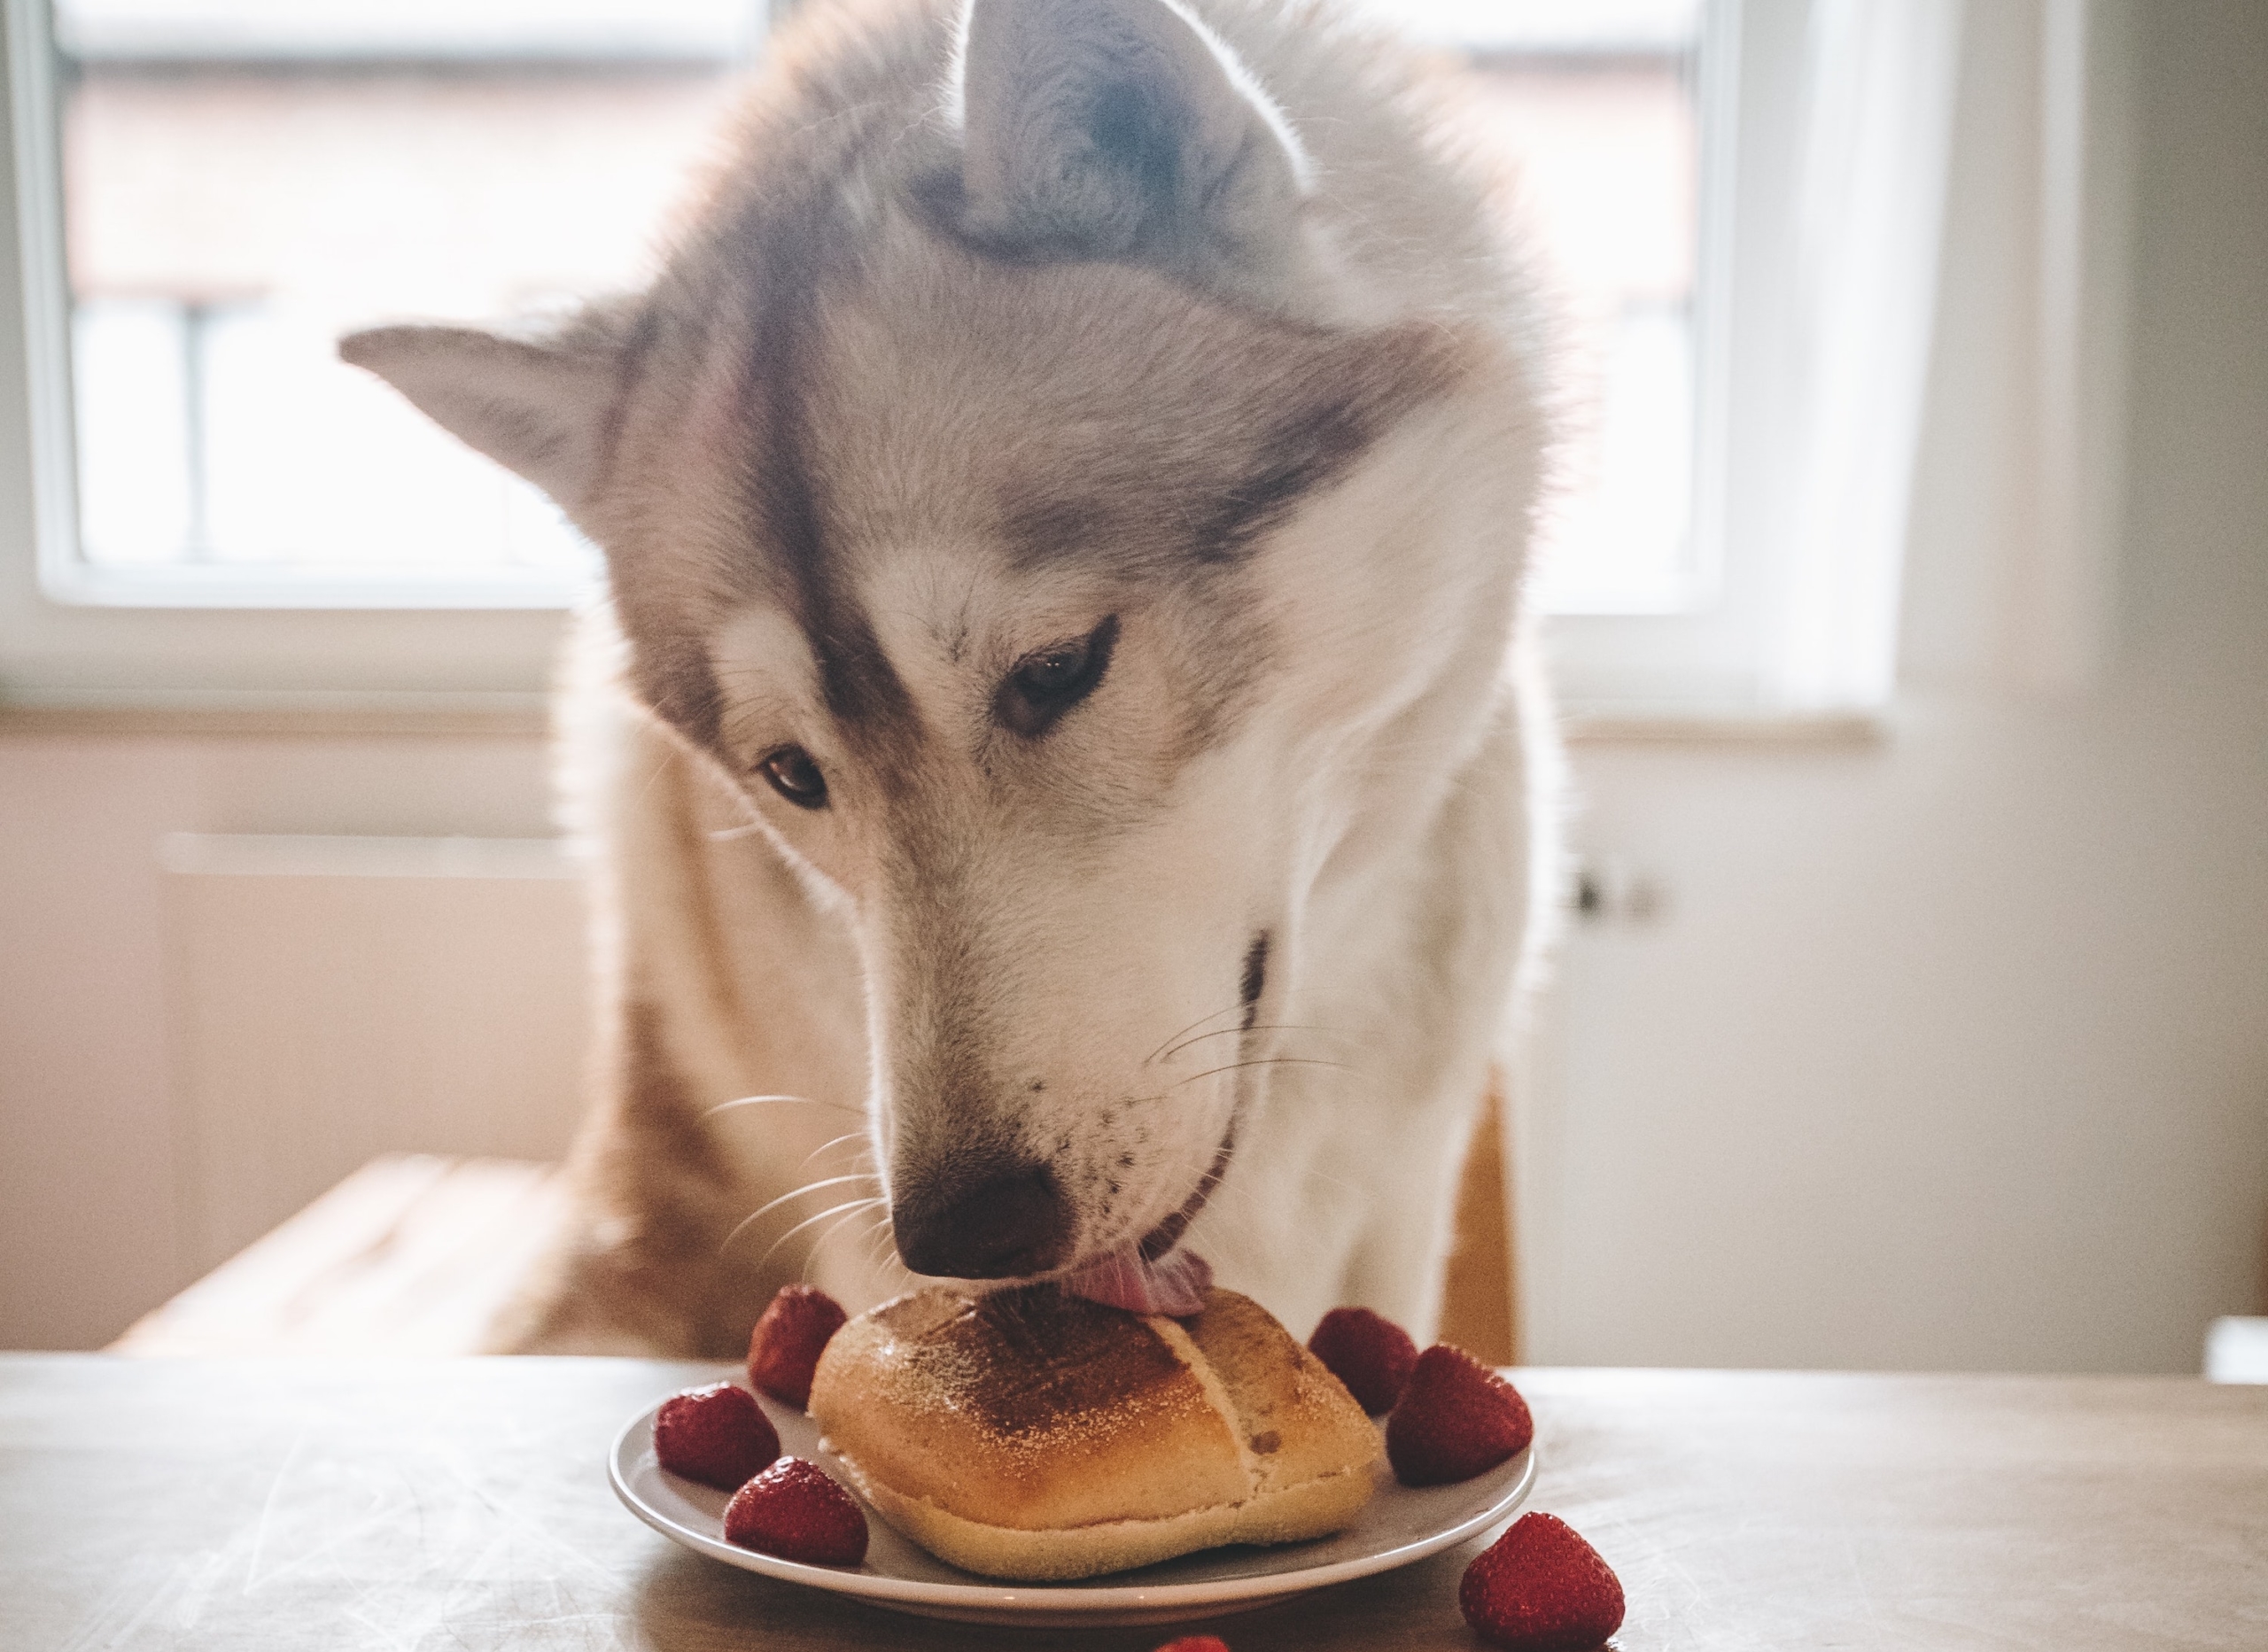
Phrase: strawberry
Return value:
(1540, 1588)
(717, 1435)
(1370, 1354)
(794, 1510)
(789, 1340)
(1196, 1643)
(1456, 1418)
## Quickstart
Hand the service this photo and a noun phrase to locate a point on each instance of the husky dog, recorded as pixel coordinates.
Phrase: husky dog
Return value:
(1063, 726)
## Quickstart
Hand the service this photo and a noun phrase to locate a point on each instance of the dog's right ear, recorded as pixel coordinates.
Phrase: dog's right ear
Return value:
(1118, 130)
(538, 407)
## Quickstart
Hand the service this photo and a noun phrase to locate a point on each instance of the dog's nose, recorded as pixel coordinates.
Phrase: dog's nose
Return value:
(1001, 1227)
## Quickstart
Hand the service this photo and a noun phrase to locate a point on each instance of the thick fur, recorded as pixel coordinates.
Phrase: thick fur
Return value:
(1177, 335)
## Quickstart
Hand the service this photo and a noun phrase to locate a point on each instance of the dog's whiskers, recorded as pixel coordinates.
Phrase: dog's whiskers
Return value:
(848, 1136)
(760, 1101)
(750, 1220)
(1260, 1061)
(810, 1257)
(876, 1237)
(881, 1249)
(832, 1210)
(1234, 1009)
(1235, 1032)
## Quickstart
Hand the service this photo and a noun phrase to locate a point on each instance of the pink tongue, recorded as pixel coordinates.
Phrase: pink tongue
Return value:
(1174, 1285)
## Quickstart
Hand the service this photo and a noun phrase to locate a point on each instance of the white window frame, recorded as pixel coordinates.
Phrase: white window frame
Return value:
(70, 634)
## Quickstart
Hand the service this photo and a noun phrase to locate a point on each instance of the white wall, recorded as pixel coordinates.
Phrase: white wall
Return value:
(1954, 1052)
(93, 1230)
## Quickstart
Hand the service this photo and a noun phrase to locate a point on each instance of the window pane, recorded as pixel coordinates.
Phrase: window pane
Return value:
(1593, 103)
(244, 180)
(133, 430)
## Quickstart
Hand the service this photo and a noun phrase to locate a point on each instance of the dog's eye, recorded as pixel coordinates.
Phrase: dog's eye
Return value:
(795, 777)
(1049, 681)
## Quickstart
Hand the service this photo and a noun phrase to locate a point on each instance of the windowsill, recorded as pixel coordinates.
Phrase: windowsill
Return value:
(502, 716)
(342, 717)
(311, 589)
(1673, 726)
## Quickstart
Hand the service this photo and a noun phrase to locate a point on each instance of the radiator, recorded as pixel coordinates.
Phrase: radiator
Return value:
(339, 997)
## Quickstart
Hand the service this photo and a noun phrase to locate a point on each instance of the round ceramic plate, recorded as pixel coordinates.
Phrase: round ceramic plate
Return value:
(1398, 1525)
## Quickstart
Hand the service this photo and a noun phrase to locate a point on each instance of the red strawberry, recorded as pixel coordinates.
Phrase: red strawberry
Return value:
(1370, 1355)
(789, 1340)
(1196, 1643)
(1540, 1588)
(717, 1435)
(794, 1510)
(1456, 1418)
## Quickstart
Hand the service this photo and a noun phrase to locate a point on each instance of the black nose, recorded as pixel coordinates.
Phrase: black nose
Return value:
(1001, 1226)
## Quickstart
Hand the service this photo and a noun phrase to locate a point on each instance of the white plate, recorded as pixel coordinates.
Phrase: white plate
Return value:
(1398, 1525)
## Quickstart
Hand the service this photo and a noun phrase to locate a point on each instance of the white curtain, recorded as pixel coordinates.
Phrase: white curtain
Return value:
(1880, 84)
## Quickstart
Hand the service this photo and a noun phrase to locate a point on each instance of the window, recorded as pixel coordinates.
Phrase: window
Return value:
(244, 180)
(1596, 106)
(211, 190)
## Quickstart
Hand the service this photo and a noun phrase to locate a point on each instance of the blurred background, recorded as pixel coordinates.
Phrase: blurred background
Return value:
(1908, 575)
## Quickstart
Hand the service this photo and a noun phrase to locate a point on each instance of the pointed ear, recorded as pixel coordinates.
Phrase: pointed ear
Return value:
(538, 407)
(1110, 128)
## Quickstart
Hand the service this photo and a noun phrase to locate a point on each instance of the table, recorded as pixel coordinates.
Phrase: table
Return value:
(462, 1503)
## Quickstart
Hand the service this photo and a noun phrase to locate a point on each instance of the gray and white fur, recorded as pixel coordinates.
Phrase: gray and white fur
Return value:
(1065, 710)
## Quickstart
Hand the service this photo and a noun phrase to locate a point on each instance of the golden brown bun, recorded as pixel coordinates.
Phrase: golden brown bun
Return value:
(1030, 1435)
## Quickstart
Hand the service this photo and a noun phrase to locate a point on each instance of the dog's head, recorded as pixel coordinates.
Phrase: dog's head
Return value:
(985, 495)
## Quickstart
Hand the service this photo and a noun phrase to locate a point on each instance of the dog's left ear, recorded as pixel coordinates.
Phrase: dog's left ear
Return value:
(1120, 130)
(536, 405)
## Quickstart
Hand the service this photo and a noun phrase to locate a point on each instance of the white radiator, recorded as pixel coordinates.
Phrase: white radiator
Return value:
(339, 997)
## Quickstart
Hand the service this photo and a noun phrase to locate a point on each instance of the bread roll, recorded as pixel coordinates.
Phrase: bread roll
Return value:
(1028, 1434)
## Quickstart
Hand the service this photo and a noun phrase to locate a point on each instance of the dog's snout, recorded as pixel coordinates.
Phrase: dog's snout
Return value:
(1000, 1226)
